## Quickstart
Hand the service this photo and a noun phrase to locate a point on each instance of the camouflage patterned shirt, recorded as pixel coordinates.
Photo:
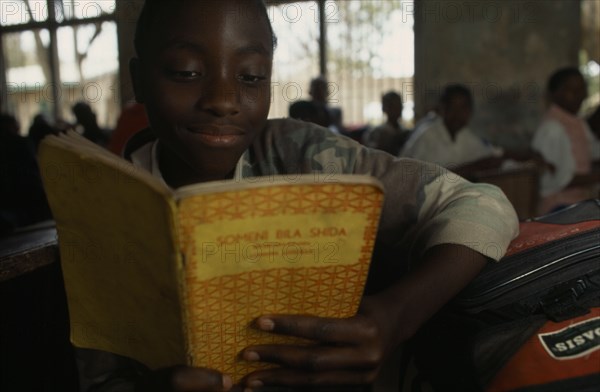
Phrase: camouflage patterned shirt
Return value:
(425, 204)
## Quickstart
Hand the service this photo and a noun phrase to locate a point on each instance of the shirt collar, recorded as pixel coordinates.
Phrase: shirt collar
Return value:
(155, 167)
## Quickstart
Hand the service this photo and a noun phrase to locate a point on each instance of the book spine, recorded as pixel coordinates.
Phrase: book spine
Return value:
(181, 263)
(180, 277)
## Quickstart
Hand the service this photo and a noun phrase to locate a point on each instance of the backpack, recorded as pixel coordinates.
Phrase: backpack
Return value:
(530, 322)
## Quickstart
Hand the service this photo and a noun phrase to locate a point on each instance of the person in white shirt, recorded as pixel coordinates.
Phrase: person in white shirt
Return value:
(447, 139)
(566, 141)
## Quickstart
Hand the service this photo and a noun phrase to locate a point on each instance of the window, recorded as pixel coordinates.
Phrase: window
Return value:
(369, 50)
(57, 53)
(589, 54)
(27, 73)
(296, 59)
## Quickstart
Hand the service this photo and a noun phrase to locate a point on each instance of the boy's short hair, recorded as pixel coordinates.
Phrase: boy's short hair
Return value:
(558, 78)
(303, 110)
(390, 96)
(453, 90)
(151, 12)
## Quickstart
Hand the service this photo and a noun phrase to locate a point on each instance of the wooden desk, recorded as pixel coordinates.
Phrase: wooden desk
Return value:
(35, 352)
(27, 250)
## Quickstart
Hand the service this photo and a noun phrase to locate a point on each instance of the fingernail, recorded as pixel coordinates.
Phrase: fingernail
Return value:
(266, 324)
(255, 384)
(227, 382)
(251, 356)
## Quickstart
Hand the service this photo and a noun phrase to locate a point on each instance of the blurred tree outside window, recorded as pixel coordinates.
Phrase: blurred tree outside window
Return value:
(369, 50)
(296, 59)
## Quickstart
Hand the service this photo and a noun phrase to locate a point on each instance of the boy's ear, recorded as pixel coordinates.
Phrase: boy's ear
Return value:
(135, 71)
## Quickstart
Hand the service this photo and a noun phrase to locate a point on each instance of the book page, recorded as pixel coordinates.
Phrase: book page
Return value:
(290, 248)
(117, 250)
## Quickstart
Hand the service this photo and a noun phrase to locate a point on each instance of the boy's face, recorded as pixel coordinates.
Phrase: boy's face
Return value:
(456, 113)
(571, 94)
(205, 80)
(393, 108)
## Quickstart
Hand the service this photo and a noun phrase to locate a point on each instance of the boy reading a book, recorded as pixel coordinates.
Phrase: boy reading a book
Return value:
(203, 72)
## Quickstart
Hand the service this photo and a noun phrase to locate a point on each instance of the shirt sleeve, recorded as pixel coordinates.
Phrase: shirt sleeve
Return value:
(427, 205)
(552, 142)
(418, 146)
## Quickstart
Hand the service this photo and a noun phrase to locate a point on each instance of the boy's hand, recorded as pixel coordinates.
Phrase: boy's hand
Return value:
(351, 351)
(184, 379)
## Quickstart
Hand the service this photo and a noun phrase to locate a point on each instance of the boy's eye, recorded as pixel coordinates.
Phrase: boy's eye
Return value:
(184, 75)
(250, 79)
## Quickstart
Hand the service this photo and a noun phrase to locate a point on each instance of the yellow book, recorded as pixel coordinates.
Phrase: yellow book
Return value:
(177, 276)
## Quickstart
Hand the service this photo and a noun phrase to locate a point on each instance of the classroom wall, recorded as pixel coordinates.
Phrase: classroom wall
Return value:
(503, 50)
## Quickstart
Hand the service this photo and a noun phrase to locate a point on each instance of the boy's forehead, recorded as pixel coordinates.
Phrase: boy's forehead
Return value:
(202, 11)
(207, 16)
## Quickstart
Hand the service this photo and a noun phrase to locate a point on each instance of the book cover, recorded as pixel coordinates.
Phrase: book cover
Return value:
(177, 276)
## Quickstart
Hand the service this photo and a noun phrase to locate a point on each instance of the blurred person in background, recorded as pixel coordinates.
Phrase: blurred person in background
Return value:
(389, 137)
(566, 141)
(86, 119)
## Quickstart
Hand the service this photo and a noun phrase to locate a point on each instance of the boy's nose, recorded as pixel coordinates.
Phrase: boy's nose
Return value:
(220, 99)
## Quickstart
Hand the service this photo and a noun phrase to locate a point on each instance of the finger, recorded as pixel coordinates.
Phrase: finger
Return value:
(188, 379)
(291, 377)
(315, 358)
(330, 330)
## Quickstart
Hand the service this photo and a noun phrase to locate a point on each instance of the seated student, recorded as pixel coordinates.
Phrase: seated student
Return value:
(307, 111)
(446, 139)
(86, 118)
(39, 129)
(390, 136)
(331, 116)
(566, 141)
(206, 88)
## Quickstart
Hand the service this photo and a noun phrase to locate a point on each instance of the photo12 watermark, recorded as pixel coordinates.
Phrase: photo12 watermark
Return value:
(21, 12)
(90, 92)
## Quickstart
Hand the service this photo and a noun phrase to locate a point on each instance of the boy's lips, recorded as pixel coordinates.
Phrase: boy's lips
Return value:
(218, 135)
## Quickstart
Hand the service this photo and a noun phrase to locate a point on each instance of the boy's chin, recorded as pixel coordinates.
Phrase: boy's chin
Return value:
(221, 168)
